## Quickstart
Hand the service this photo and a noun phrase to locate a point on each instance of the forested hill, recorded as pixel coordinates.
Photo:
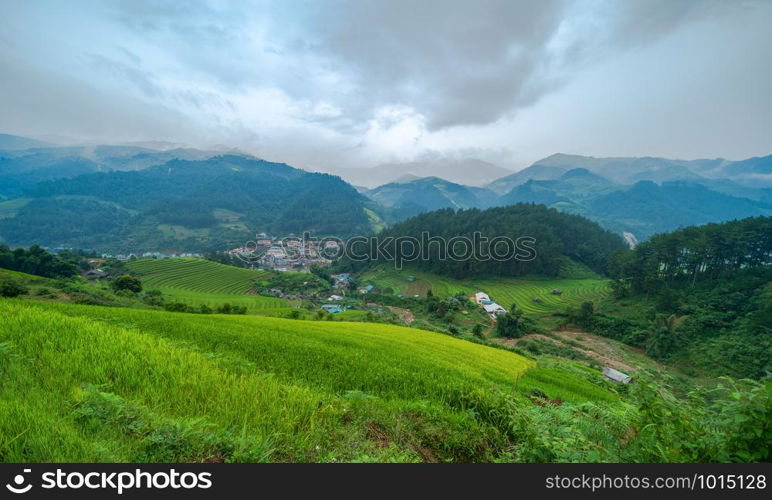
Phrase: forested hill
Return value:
(188, 205)
(557, 236)
(698, 253)
(700, 297)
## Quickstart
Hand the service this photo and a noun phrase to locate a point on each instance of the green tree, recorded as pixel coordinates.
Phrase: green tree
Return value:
(662, 337)
(127, 282)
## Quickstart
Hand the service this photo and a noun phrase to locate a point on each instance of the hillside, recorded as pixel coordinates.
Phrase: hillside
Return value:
(643, 196)
(427, 194)
(699, 297)
(25, 162)
(546, 238)
(532, 295)
(466, 171)
(647, 208)
(190, 388)
(622, 194)
(197, 282)
(139, 383)
(213, 204)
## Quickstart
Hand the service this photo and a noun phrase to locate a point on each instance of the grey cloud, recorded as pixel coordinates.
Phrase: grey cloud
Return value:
(454, 62)
(462, 63)
(35, 101)
(275, 75)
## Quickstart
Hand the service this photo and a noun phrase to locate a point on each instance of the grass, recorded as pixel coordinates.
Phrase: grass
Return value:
(85, 383)
(505, 291)
(202, 282)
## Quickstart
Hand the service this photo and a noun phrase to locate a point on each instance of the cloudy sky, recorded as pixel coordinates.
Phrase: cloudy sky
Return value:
(357, 83)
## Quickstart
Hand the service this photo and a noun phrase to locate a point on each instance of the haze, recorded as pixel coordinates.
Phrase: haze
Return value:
(326, 85)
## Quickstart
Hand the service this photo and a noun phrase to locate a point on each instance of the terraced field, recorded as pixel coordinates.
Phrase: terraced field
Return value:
(523, 292)
(198, 281)
(505, 291)
(86, 383)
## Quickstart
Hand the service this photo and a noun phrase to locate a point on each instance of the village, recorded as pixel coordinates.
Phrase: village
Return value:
(286, 254)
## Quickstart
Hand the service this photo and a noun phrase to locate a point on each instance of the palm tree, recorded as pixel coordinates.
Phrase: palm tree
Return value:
(662, 337)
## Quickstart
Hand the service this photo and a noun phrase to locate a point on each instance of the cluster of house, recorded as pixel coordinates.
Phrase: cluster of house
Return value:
(492, 308)
(285, 254)
(342, 280)
(150, 255)
(333, 308)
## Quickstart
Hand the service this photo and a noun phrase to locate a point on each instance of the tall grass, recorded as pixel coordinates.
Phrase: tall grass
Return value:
(85, 383)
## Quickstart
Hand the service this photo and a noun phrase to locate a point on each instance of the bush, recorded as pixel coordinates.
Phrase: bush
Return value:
(12, 288)
(127, 282)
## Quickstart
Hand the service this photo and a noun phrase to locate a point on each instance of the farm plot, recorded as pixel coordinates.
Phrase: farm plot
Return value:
(533, 295)
(201, 282)
(536, 297)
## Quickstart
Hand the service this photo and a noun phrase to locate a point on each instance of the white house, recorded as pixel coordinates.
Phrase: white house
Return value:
(479, 297)
(494, 308)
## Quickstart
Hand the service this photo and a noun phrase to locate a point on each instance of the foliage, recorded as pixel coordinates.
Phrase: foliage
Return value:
(557, 236)
(709, 289)
(11, 288)
(119, 210)
(514, 323)
(37, 261)
(126, 282)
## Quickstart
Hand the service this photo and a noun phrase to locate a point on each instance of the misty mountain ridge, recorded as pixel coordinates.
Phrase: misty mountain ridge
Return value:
(178, 196)
(466, 171)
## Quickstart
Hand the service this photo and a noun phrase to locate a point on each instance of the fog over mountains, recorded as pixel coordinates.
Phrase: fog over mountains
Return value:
(169, 196)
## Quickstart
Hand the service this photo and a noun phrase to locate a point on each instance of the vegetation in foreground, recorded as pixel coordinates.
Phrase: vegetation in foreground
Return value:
(85, 383)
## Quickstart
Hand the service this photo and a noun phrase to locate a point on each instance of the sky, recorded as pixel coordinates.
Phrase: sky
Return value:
(325, 84)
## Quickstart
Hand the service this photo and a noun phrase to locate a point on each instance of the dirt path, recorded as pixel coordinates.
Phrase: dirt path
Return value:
(596, 347)
(599, 348)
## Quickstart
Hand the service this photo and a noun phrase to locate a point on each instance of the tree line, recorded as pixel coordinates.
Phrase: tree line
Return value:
(36, 260)
(554, 236)
(693, 254)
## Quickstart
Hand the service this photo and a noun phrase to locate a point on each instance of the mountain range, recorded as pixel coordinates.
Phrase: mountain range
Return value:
(160, 196)
(642, 196)
(467, 171)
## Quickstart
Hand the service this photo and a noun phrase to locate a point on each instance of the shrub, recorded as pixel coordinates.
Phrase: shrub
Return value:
(127, 282)
(12, 288)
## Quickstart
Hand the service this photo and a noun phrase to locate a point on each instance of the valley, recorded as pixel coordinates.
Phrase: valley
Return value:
(217, 344)
(138, 199)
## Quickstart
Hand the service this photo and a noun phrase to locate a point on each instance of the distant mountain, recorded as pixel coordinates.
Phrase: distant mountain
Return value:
(430, 193)
(535, 172)
(641, 208)
(189, 205)
(753, 172)
(467, 171)
(15, 143)
(572, 186)
(647, 208)
(22, 168)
